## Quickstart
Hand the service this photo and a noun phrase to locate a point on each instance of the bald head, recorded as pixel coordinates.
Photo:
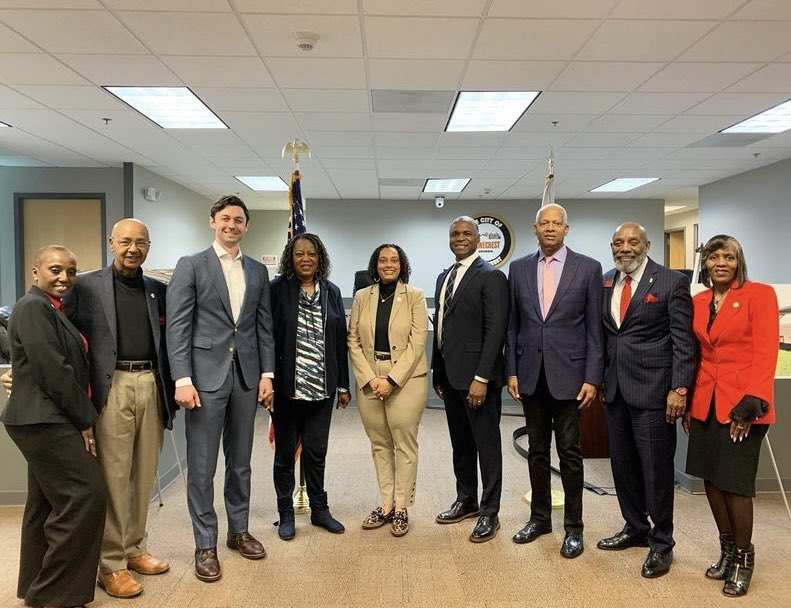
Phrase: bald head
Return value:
(129, 243)
(632, 227)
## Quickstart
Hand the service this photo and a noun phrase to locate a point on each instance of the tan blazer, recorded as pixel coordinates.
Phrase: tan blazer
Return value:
(407, 333)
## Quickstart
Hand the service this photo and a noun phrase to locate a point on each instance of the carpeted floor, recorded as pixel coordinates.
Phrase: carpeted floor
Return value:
(433, 565)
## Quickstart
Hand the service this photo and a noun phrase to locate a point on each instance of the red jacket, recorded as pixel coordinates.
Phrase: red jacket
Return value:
(739, 355)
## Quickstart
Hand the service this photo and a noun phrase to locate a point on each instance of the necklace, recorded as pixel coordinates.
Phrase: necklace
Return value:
(718, 301)
(383, 300)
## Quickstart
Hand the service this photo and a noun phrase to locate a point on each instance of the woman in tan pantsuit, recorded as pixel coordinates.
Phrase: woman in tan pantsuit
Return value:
(387, 337)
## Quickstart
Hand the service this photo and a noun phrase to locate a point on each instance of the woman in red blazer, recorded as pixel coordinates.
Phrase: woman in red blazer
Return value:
(736, 323)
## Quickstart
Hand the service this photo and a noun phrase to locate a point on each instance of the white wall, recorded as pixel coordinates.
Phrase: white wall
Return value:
(755, 208)
(351, 230)
(267, 234)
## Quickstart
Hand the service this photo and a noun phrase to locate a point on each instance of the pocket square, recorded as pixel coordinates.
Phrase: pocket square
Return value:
(650, 298)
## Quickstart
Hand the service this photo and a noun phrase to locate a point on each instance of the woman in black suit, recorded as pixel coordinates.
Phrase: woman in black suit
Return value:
(311, 365)
(50, 418)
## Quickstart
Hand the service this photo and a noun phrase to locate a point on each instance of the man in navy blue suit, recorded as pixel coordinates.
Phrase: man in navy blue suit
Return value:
(647, 314)
(554, 363)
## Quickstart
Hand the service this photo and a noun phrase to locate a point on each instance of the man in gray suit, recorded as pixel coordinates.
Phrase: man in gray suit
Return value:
(554, 362)
(222, 359)
(651, 357)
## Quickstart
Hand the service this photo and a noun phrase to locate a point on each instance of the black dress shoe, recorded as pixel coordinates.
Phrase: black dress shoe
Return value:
(530, 532)
(572, 545)
(457, 512)
(207, 566)
(620, 541)
(485, 529)
(657, 564)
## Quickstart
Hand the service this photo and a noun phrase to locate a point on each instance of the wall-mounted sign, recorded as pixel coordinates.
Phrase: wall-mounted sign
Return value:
(497, 241)
(269, 260)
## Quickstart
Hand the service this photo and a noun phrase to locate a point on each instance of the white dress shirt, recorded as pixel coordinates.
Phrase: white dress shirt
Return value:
(617, 290)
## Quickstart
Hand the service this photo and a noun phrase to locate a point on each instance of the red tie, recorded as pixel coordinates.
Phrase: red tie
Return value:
(626, 295)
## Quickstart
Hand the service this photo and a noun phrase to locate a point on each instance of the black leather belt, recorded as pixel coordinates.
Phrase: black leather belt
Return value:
(134, 366)
(382, 357)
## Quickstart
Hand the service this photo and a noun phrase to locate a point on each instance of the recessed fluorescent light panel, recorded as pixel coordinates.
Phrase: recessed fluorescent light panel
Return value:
(446, 185)
(489, 110)
(263, 184)
(169, 107)
(773, 120)
(624, 184)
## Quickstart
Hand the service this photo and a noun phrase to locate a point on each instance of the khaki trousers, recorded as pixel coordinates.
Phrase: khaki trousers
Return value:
(392, 427)
(128, 442)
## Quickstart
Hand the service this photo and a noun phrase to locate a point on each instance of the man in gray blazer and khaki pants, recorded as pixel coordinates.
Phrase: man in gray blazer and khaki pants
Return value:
(221, 351)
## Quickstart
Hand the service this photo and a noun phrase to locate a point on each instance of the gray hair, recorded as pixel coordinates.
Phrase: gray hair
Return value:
(553, 206)
(640, 228)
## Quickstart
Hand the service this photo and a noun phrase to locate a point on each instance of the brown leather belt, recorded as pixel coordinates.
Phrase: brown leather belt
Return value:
(134, 366)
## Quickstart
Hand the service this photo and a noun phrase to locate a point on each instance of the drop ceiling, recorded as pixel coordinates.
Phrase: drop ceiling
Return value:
(628, 89)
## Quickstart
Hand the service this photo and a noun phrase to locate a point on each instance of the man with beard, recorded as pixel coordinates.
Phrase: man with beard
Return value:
(647, 315)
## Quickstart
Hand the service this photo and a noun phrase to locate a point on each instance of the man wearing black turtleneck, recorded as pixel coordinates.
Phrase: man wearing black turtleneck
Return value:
(122, 315)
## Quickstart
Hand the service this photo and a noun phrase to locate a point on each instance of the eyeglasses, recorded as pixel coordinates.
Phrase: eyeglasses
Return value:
(127, 243)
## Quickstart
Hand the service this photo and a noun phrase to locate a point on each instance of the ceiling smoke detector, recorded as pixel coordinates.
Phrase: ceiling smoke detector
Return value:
(306, 40)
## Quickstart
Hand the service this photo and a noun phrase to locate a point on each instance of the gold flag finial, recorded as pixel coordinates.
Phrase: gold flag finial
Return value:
(295, 149)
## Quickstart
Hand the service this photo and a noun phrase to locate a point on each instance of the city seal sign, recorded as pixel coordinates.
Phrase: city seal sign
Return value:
(497, 241)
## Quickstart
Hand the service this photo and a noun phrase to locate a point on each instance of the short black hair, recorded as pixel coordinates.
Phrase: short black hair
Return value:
(229, 200)
(715, 243)
(406, 269)
(287, 258)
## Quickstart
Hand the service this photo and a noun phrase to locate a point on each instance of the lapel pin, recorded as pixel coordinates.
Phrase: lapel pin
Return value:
(736, 305)
(153, 296)
(650, 280)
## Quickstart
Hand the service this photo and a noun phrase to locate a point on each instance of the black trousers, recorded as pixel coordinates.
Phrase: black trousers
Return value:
(309, 420)
(475, 439)
(63, 523)
(543, 414)
(642, 449)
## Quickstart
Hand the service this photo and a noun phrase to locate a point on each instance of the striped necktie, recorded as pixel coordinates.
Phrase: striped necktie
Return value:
(448, 295)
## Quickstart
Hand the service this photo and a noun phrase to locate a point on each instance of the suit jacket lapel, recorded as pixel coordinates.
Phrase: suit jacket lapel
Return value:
(531, 268)
(569, 270)
(728, 310)
(645, 284)
(218, 279)
(398, 303)
(250, 280)
(153, 310)
(373, 306)
(608, 291)
(700, 317)
(472, 271)
(107, 295)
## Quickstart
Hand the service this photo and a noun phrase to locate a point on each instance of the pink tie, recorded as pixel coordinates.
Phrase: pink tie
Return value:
(548, 285)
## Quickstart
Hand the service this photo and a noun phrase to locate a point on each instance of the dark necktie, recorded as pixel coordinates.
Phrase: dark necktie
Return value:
(626, 295)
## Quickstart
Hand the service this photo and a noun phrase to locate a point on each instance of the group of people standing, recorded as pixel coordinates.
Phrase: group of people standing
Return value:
(101, 363)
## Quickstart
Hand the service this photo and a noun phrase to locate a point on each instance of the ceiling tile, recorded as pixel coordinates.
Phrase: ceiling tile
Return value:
(627, 123)
(216, 6)
(406, 139)
(316, 100)
(413, 74)
(746, 104)
(565, 123)
(665, 140)
(579, 9)
(743, 41)
(71, 97)
(329, 7)
(342, 121)
(604, 76)
(765, 9)
(242, 99)
(58, 4)
(621, 40)
(319, 73)
(601, 139)
(11, 99)
(133, 70)
(414, 37)
(273, 35)
(220, 71)
(675, 9)
(538, 39)
(464, 153)
(212, 34)
(348, 163)
(774, 78)
(339, 138)
(553, 102)
(73, 31)
(347, 152)
(11, 42)
(658, 103)
(390, 153)
(385, 121)
(698, 124)
(698, 77)
(29, 68)
(458, 8)
(511, 75)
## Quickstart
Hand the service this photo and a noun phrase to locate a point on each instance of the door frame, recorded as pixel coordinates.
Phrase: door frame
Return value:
(19, 199)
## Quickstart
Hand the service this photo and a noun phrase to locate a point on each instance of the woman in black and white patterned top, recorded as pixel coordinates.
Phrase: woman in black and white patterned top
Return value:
(311, 366)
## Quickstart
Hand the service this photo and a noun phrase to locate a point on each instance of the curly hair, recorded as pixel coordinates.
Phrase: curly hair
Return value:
(286, 267)
(406, 269)
(715, 243)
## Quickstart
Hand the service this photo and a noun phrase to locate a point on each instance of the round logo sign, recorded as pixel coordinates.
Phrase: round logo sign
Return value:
(497, 242)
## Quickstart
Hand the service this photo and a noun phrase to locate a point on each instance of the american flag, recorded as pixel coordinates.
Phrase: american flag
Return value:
(296, 218)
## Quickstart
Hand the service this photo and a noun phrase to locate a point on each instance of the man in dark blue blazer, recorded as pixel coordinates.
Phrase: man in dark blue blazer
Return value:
(222, 358)
(554, 362)
(467, 364)
(647, 314)
(121, 312)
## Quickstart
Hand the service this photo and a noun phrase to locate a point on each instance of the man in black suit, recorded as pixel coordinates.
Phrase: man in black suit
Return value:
(467, 363)
(647, 313)
(121, 313)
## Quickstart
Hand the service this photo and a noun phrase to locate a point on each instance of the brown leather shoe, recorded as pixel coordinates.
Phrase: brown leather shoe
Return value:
(207, 566)
(246, 545)
(147, 564)
(120, 583)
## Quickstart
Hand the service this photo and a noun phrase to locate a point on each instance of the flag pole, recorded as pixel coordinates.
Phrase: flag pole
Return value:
(296, 148)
